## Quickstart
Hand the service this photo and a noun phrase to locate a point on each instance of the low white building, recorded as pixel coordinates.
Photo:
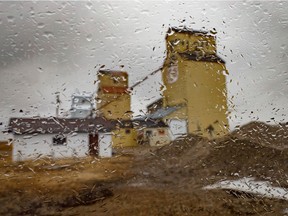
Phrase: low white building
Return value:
(50, 145)
(59, 137)
(160, 130)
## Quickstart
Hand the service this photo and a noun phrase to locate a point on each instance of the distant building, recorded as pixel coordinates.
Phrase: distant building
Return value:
(194, 76)
(82, 105)
(60, 138)
(175, 127)
(194, 101)
(113, 96)
(149, 131)
(114, 103)
(157, 134)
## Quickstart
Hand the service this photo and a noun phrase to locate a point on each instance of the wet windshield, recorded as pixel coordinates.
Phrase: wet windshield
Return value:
(143, 108)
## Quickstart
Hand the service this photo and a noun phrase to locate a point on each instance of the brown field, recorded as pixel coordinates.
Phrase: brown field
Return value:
(152, 181)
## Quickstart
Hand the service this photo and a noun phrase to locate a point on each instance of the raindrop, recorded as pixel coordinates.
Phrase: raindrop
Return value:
(40, 69)
(145, 12)
(89, 37)
(10, 18)
(225, 72)
(138, 31)
(48, 34)
(58, 21)
(50, 13)
(110, 37)
(283, 21)
(65, 46)
(89, 5)
(41, 25)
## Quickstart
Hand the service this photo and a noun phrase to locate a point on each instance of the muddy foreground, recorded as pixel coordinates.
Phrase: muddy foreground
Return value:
(167, 180)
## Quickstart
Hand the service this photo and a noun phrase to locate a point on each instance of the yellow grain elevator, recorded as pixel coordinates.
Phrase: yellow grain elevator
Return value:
(113, 103)
(195, 80)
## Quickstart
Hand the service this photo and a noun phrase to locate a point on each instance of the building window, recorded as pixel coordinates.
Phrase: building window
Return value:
(59, 140)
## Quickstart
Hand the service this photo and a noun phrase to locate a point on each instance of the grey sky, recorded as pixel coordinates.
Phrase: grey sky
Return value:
(54, 46)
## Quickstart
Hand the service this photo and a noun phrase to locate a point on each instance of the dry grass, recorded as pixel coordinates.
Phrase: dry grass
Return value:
(64, 173)
(145, 181)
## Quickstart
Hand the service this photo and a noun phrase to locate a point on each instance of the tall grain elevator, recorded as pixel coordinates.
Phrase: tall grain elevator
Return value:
(114, 103)
(195, 80)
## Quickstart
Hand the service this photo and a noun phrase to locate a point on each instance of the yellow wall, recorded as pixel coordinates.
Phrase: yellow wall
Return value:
(121, 139)
(157, 137)
(117, 109)
(113, 104)
(200, 85)
(188, 42)
(175, 93)
(181, 113)
(207, 98)
(113, 78)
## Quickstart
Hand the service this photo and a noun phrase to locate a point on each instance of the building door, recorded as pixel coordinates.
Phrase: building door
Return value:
(93, 144)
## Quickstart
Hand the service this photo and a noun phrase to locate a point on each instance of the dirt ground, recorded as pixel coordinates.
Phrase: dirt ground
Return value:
(166, 180)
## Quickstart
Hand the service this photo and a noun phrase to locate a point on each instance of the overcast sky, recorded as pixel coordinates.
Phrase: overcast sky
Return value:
(49, 47)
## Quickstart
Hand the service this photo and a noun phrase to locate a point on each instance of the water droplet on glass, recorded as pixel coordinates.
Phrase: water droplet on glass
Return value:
(10, 18)
(40, 69)
(65, 46)
(89, 37)
(225, 72)
(89, 5)
(138, 31)
(48, 34)
(41, 25)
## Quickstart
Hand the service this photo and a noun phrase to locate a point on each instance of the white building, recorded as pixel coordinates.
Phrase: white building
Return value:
(163, 130)
(59, 137)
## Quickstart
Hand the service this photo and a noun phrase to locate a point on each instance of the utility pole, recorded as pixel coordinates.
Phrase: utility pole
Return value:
(58, 102)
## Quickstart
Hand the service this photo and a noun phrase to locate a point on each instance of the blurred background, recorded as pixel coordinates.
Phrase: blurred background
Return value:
(50, 48)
